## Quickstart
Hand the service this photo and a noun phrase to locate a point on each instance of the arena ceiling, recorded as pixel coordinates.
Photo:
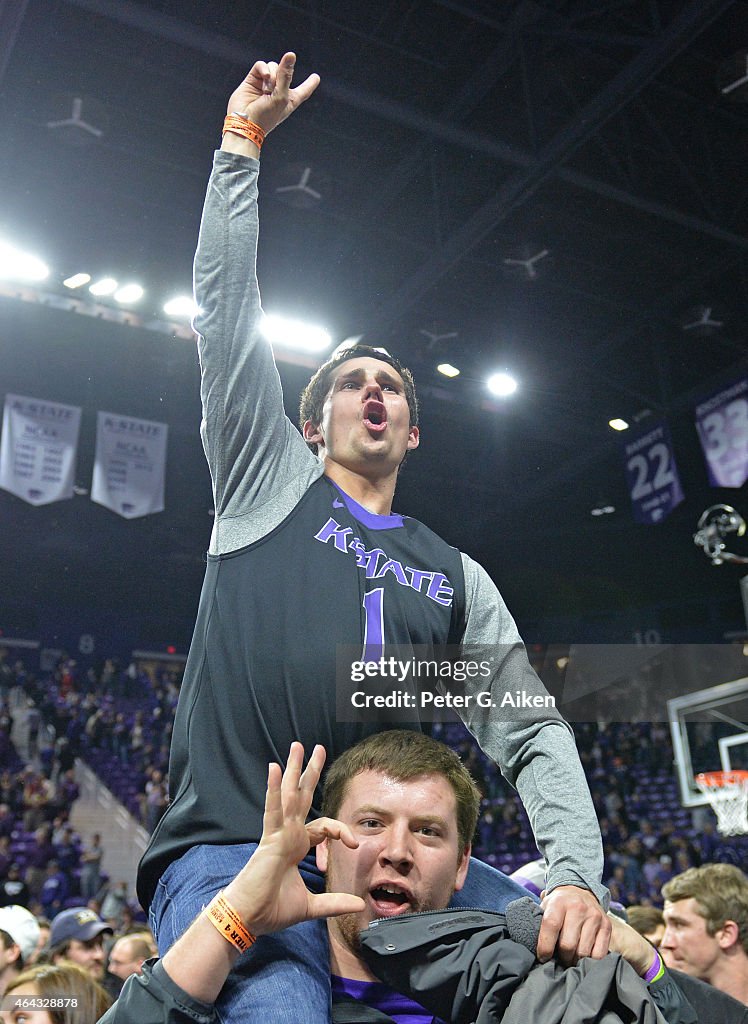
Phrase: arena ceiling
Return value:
(602, 142)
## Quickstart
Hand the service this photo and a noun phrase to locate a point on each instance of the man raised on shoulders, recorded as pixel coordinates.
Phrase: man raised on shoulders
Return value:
(262, 666)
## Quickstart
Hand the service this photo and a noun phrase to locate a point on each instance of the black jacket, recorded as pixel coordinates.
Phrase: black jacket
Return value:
(478, 967)
(472, 967)
(457, 952)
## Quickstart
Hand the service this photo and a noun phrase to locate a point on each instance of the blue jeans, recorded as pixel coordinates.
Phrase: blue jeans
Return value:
(284, 977)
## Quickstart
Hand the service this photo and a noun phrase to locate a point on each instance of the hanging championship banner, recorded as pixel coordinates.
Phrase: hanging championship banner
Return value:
(722, 423)
(128, 475)
(38, 449)
(652, 475)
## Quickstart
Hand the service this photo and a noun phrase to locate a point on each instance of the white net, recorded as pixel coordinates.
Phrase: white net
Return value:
(727, 792)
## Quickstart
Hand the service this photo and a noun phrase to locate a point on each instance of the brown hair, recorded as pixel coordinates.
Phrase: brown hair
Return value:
(142, 944)
(720, 892)
(8, 942)
(65, 981)
(644, 920)
(402, 754)
(315, 393)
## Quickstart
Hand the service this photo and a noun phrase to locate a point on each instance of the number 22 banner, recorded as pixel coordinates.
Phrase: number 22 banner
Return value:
(652, 475)
(722, 423)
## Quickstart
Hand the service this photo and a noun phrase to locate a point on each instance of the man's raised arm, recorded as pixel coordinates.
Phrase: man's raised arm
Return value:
(254, 453)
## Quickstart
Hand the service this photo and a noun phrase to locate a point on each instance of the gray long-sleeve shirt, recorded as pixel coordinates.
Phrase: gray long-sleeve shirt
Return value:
(276, 601)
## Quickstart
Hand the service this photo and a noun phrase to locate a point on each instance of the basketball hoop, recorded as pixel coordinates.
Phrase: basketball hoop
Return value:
(727, 792)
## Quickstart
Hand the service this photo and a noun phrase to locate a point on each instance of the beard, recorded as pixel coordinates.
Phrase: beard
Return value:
(350, 926)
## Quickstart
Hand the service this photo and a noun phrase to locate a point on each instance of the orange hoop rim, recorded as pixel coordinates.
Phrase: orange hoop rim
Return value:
(718, 780)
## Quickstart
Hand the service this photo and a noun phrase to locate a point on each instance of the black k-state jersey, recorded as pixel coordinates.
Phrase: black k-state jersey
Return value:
(297, 569)
(332, 578)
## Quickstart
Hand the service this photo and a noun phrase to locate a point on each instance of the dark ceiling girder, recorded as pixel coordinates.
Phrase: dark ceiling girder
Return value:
(570, 469)
(12, 13)
(576, 465)
(173, 29)
(552, 24)
(627, 84)
(459, 106)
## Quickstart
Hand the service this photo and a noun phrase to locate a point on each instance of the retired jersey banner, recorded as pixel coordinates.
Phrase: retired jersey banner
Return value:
(722, 423)
(129, 466)
(38, 449)
(652, 475)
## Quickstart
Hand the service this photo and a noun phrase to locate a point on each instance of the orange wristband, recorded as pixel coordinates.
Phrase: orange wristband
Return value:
(225, 919)
(240, 125)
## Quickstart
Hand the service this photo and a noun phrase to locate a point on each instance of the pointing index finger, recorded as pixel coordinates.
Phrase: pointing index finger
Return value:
(285, 74)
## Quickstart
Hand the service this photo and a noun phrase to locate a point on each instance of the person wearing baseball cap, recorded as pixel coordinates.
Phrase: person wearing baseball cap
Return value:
(19, 934)
(78, 934)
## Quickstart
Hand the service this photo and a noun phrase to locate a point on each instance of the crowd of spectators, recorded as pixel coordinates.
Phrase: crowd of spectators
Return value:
(648, 837)
(45, 864)
(120, 720)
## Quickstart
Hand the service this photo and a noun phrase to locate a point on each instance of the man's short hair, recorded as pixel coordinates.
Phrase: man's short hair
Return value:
(643, 919)
(720, 892)
(142, 945)
(315, 393)
(402, 754)
(8, 942)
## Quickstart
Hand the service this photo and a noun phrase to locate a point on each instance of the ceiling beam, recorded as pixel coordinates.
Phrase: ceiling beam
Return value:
(12, 13)
(590, 455)
(175, 30)
(627, 84)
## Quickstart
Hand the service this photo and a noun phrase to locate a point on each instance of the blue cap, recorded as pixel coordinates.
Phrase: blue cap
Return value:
(76, 923)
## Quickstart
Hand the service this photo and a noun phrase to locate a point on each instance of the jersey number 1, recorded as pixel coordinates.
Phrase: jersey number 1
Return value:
(373, 625)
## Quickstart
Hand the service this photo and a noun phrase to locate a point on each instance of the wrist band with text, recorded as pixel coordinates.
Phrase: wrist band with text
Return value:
(240, 125)
(656, 971)
(225, 919)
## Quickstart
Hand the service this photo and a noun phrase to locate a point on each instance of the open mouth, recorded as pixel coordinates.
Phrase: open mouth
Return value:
(389, 900)
(375, 416)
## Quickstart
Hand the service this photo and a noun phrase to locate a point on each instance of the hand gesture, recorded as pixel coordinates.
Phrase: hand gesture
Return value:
(574, 925)
(265, 95)
(269, 893)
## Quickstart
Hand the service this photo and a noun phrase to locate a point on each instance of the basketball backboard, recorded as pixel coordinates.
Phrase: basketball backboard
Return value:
(709, 728)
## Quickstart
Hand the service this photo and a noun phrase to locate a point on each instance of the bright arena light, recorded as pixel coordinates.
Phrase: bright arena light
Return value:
(618, 424)
(16, 265)
(295, 334)
(501, 384)
(181, 306)
(77, 280)
(448, 370)
(129, 293)
(104, 286)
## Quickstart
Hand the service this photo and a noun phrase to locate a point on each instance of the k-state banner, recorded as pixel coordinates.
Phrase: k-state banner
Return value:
(652, 475)
(38, 449)
(722, 423)
(128, 475)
